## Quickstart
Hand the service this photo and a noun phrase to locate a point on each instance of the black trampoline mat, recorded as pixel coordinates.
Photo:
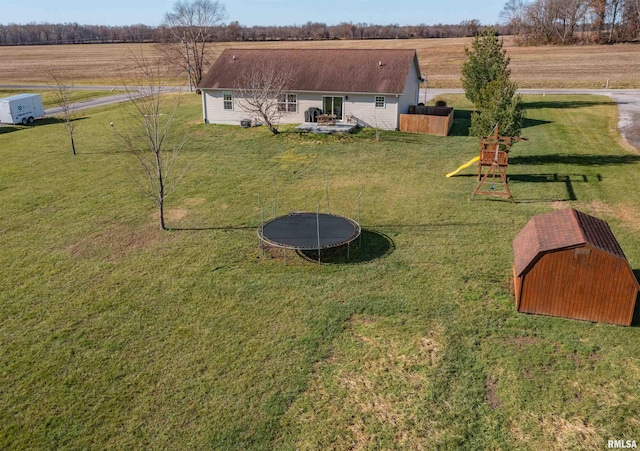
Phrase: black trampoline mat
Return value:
(300, 230)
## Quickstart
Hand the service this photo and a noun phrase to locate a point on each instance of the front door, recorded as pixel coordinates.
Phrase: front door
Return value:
(333, 105)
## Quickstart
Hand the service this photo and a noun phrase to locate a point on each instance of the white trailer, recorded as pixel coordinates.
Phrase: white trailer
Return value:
(21, 109)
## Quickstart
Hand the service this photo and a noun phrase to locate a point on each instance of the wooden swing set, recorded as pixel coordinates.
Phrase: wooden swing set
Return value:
(494, 158)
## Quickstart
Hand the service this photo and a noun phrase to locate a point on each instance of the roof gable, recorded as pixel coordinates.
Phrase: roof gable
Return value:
(562, 229)
(383, 71)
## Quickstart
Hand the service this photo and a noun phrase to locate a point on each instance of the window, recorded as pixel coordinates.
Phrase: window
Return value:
(380, 102)
(333, 105)
(288, 102)
(227, 100)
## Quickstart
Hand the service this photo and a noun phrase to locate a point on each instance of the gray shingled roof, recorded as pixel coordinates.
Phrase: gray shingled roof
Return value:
(380, 71)
(558, 230)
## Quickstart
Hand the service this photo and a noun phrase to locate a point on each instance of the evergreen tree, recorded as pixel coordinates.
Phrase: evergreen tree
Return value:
(485, 79)
(500, 105)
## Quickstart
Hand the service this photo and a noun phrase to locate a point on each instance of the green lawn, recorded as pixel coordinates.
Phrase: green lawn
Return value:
(115, 334)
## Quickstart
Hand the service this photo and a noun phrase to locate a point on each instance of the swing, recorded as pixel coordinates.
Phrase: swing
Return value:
(494, 155)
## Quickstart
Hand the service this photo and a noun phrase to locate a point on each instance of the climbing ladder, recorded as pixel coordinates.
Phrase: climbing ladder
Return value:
(494, 158)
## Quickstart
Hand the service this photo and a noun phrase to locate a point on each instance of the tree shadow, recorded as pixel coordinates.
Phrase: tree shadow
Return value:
(567, 179)
(461, 123)
(370, 246)
(58, 119)
(426, 227)
(407, 138)
(635, 321)
(528, 123)
(199, 229)
(556, 104)
(583, 160)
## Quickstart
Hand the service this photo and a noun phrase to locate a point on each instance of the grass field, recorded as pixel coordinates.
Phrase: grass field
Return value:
(115, 334)
(440, 59)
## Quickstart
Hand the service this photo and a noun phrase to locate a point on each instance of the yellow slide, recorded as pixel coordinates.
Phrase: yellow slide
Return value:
(464, 166)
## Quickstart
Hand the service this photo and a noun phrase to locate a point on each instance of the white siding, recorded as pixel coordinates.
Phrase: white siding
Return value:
(214, 112)
(359, 106)
(363, 108)
(410, 94)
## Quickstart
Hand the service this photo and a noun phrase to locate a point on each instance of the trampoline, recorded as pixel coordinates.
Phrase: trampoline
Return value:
(308, 231)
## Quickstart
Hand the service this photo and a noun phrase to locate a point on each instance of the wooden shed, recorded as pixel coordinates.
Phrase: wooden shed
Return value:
(569, 264)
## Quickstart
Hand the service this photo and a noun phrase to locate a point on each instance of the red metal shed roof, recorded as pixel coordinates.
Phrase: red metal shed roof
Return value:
(380, 71)
(558, 230)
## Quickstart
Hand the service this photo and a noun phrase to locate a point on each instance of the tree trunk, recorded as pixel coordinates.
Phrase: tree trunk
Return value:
(73, 145)
(160, 176)
(613, 22)
(270, 126)
(161, 215)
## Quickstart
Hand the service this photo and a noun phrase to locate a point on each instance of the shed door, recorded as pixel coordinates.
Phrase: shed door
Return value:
(582, 284)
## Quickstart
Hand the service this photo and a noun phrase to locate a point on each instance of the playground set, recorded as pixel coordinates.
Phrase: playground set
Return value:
(493, 161)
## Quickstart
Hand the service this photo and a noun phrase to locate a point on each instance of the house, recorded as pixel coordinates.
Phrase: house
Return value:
(569, 264)
(371, 87)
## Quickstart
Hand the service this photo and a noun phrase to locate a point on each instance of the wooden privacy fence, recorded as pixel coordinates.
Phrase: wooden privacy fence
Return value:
(427, 124)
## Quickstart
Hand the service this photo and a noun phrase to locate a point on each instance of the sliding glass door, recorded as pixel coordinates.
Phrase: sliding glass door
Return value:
(333, 105)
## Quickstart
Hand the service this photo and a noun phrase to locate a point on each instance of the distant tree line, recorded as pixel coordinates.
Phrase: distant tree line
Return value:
(73, 33)
(539, 22)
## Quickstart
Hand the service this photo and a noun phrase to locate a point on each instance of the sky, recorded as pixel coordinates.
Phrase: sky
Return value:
(256, 12)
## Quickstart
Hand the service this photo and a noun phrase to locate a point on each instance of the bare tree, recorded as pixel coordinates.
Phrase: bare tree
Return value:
(264, 93)
(514, 15)
(148, 133)
(60, 88)
(614, 13)
(193, 24)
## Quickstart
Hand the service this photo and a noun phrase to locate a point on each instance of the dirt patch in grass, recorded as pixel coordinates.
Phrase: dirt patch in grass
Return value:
(175, 214)
(598, 208)
(277, 253)
(595, 357)
(491, 387)
(368, 394)
(551, 432)
(527, 373)
(576, 358)
(430, 349)
(114, 241)
(627, 214)
(171, 215)
(524, 341)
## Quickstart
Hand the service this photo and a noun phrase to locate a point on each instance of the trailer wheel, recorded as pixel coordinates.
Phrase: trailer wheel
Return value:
(24, 121)
(31, 119)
